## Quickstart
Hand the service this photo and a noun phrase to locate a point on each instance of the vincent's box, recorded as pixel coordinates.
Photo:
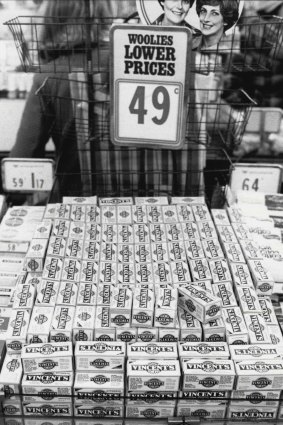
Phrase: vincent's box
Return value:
(24, 297)
(207, 350)
(83, 325)
(158, 350)
(47, 293)
(102, 329)
(39, 325)
(259, 374)
(152, 398)
(161, 375)
(255, 352)
(50, 357)
(212, 249)
(236, 330)
(225, 292)
(208, 411)
(99, 381)
(203, 373)
(143, 306)
(16, 335)
(11, 375)
(147, 335)
(67, 294)
(257, 329)
(88, 410)
(62, 323)
(87, 293)
(121, 307)
(100, 356)
(165, 306)
(55, 386)
(152, 412)
(255, 398)
(190, 327)
(252, 413)
(35, 256)
(214, 330)
(48, 409)
(201, 304)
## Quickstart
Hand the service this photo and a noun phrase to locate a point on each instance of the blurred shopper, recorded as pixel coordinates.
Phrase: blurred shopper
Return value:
(61, 45)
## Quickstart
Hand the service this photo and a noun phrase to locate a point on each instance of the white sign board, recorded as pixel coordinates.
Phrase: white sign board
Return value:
(27, 175)
(149, 85)
(256, 177)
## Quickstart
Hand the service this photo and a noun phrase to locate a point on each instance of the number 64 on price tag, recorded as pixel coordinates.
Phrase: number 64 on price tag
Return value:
(265, 178)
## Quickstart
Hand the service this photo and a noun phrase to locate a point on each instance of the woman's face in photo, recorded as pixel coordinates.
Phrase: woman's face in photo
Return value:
(211, 20)
(175, 11)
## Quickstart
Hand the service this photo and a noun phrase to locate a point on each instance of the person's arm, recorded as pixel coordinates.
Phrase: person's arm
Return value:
(34, 129)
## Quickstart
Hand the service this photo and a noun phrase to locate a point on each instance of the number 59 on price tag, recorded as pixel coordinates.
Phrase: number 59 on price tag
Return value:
(265, 178)
(27, 175)
(149, 85)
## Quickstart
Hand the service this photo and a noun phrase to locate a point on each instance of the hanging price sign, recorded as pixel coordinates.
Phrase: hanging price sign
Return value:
(149, 85)
(256, 177)
(27, 175)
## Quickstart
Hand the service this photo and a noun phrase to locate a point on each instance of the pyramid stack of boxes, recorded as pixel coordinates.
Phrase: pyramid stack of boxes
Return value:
(143, 309)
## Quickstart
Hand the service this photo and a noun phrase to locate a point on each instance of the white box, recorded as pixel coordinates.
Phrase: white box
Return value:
(139, 214)
(241, 275)
(39, 325)
(226, 234)
(201, 304)
(252, 413)
(125, 233)
(126, 335)
(92, 229)
(77, 230)
(219, 271)
(275, 335)
(169, 334)
(104, 294)
(214, 330)
(78, 212)
(83, 325)
(71, 270)
(185, 213)
(87, 293)
(174, 232)
(24, 297)
(220, 216)
(255, 352)
(169, 213)
(177, 251)
(52, 268)
(62, 323)
(206, 229)
(208, 411)
(102, 329)
(88, 410)
(161, 375)
(67, 294)
(108, 252)
(147, 335)
(166, 302)
(55, 386)
(62, 211)
(99, 381)
(11, 375)
(141, 233)
(121, 307)
(206, 350)
(152, 412)
(81, 200)
(48, 410)
(56, 246)
(225, 292)
(217, 374)
(50, 357)
(255, 398)
(257, 329)
(152, 398)
(201, 212)
(74, 248)
(100, 356)
(126, 253)
(180, 272)
(158, 350)
(236, 330)
(212, 249)
(190, 231)
(43, 230)
(89, 272)
(268, 312)
(190, 327)
(154, 214)
(47, 293)
(234, 252)
(259, 374)
(126, 273)
(200, 269)
(107, 272)
(34, 259)
(143, 306)
(16, 334)
(248, 299)
(91, 250)
(61, 228)
(157, 233)
(109, 233)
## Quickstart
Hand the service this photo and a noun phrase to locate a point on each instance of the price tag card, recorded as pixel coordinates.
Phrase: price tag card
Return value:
(149, 85)
(27, 175)
(256, 177)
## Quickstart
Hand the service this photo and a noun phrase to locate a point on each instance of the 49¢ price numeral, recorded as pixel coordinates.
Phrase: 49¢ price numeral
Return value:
(160, 100)
(149, 111)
